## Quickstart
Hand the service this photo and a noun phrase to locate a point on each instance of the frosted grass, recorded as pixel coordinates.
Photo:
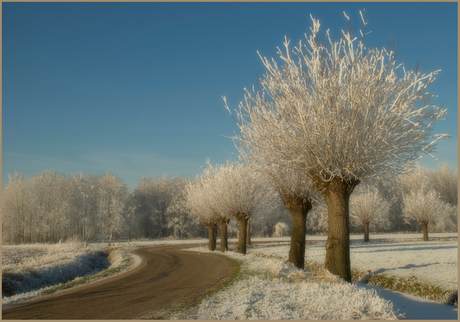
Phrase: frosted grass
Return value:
(271, 289)
(30, 270)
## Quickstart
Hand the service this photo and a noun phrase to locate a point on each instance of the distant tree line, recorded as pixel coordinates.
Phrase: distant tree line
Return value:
(50, 206)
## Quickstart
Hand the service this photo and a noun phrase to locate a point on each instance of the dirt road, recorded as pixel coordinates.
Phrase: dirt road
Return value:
(166, 276)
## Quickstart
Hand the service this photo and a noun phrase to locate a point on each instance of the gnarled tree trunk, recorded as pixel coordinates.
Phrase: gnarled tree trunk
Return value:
(222, 222)
(366, 231)
(298, 208)
(248, 234)
(424, 230)
(211, 235)
(337, 193)
(242, 219)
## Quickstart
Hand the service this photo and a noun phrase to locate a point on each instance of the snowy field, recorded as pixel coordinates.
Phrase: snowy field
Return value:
(435, 262)
(272, 289)
(269, 287)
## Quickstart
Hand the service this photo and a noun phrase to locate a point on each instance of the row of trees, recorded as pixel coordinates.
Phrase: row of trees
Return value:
(239, 191)
(50, 206)
(333, 115)
(338, 113)
(384, 206)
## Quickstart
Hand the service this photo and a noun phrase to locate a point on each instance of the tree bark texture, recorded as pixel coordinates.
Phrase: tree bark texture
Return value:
(248, 234)
(337, 195)
(215, 235)
(366, 231)
(211, 236)
(242, 219)
(424, 230)
(222, 222)
(298, 208)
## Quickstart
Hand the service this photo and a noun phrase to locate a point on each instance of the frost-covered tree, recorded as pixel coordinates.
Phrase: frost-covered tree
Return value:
(317, 219)
(369, 209)
(56, 207)
(15, 208)
(297, 195)
(445, 181)
(247, 191)
(242, 191)
(281, 229)
(216, 183)
(178, 217)
(423, 206)
(199, 205)
(84, 204)
(112, 193)
(52, 205)
(341, 112)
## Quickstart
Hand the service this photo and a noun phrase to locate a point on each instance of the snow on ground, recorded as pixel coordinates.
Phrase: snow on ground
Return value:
(272, 289)
(435, 262)
(415, 308)
(28, 270)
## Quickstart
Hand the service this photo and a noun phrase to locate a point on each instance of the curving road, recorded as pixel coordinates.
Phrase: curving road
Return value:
(165, 277)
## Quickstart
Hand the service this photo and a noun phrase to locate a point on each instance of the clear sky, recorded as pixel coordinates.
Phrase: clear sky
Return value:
(135, 88)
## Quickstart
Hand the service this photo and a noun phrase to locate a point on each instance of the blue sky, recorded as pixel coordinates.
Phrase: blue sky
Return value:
(135, 88)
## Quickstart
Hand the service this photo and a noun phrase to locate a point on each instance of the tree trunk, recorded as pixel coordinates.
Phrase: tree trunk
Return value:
(425, 230)
(248, 234)
(222, 222)
(211, 236)
(337, 195)
(298, 208)
(366, 231)
(214, 226)
(242, 219)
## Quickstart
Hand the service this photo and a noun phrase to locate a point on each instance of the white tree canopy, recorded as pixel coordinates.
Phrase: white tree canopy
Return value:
(197, 196)
(368, 206)
(423, 206)
(338, 109)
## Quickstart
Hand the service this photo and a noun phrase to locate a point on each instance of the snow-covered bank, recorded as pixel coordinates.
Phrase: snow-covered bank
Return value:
(29, 271)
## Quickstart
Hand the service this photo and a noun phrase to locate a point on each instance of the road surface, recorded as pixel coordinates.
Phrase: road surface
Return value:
(166, 276)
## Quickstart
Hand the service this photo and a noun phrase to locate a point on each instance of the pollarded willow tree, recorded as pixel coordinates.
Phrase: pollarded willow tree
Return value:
(369, 209)
(242, 192)
(340, 112)
(297, 195)
(423, 206)
(199, 204)
(215, 183)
